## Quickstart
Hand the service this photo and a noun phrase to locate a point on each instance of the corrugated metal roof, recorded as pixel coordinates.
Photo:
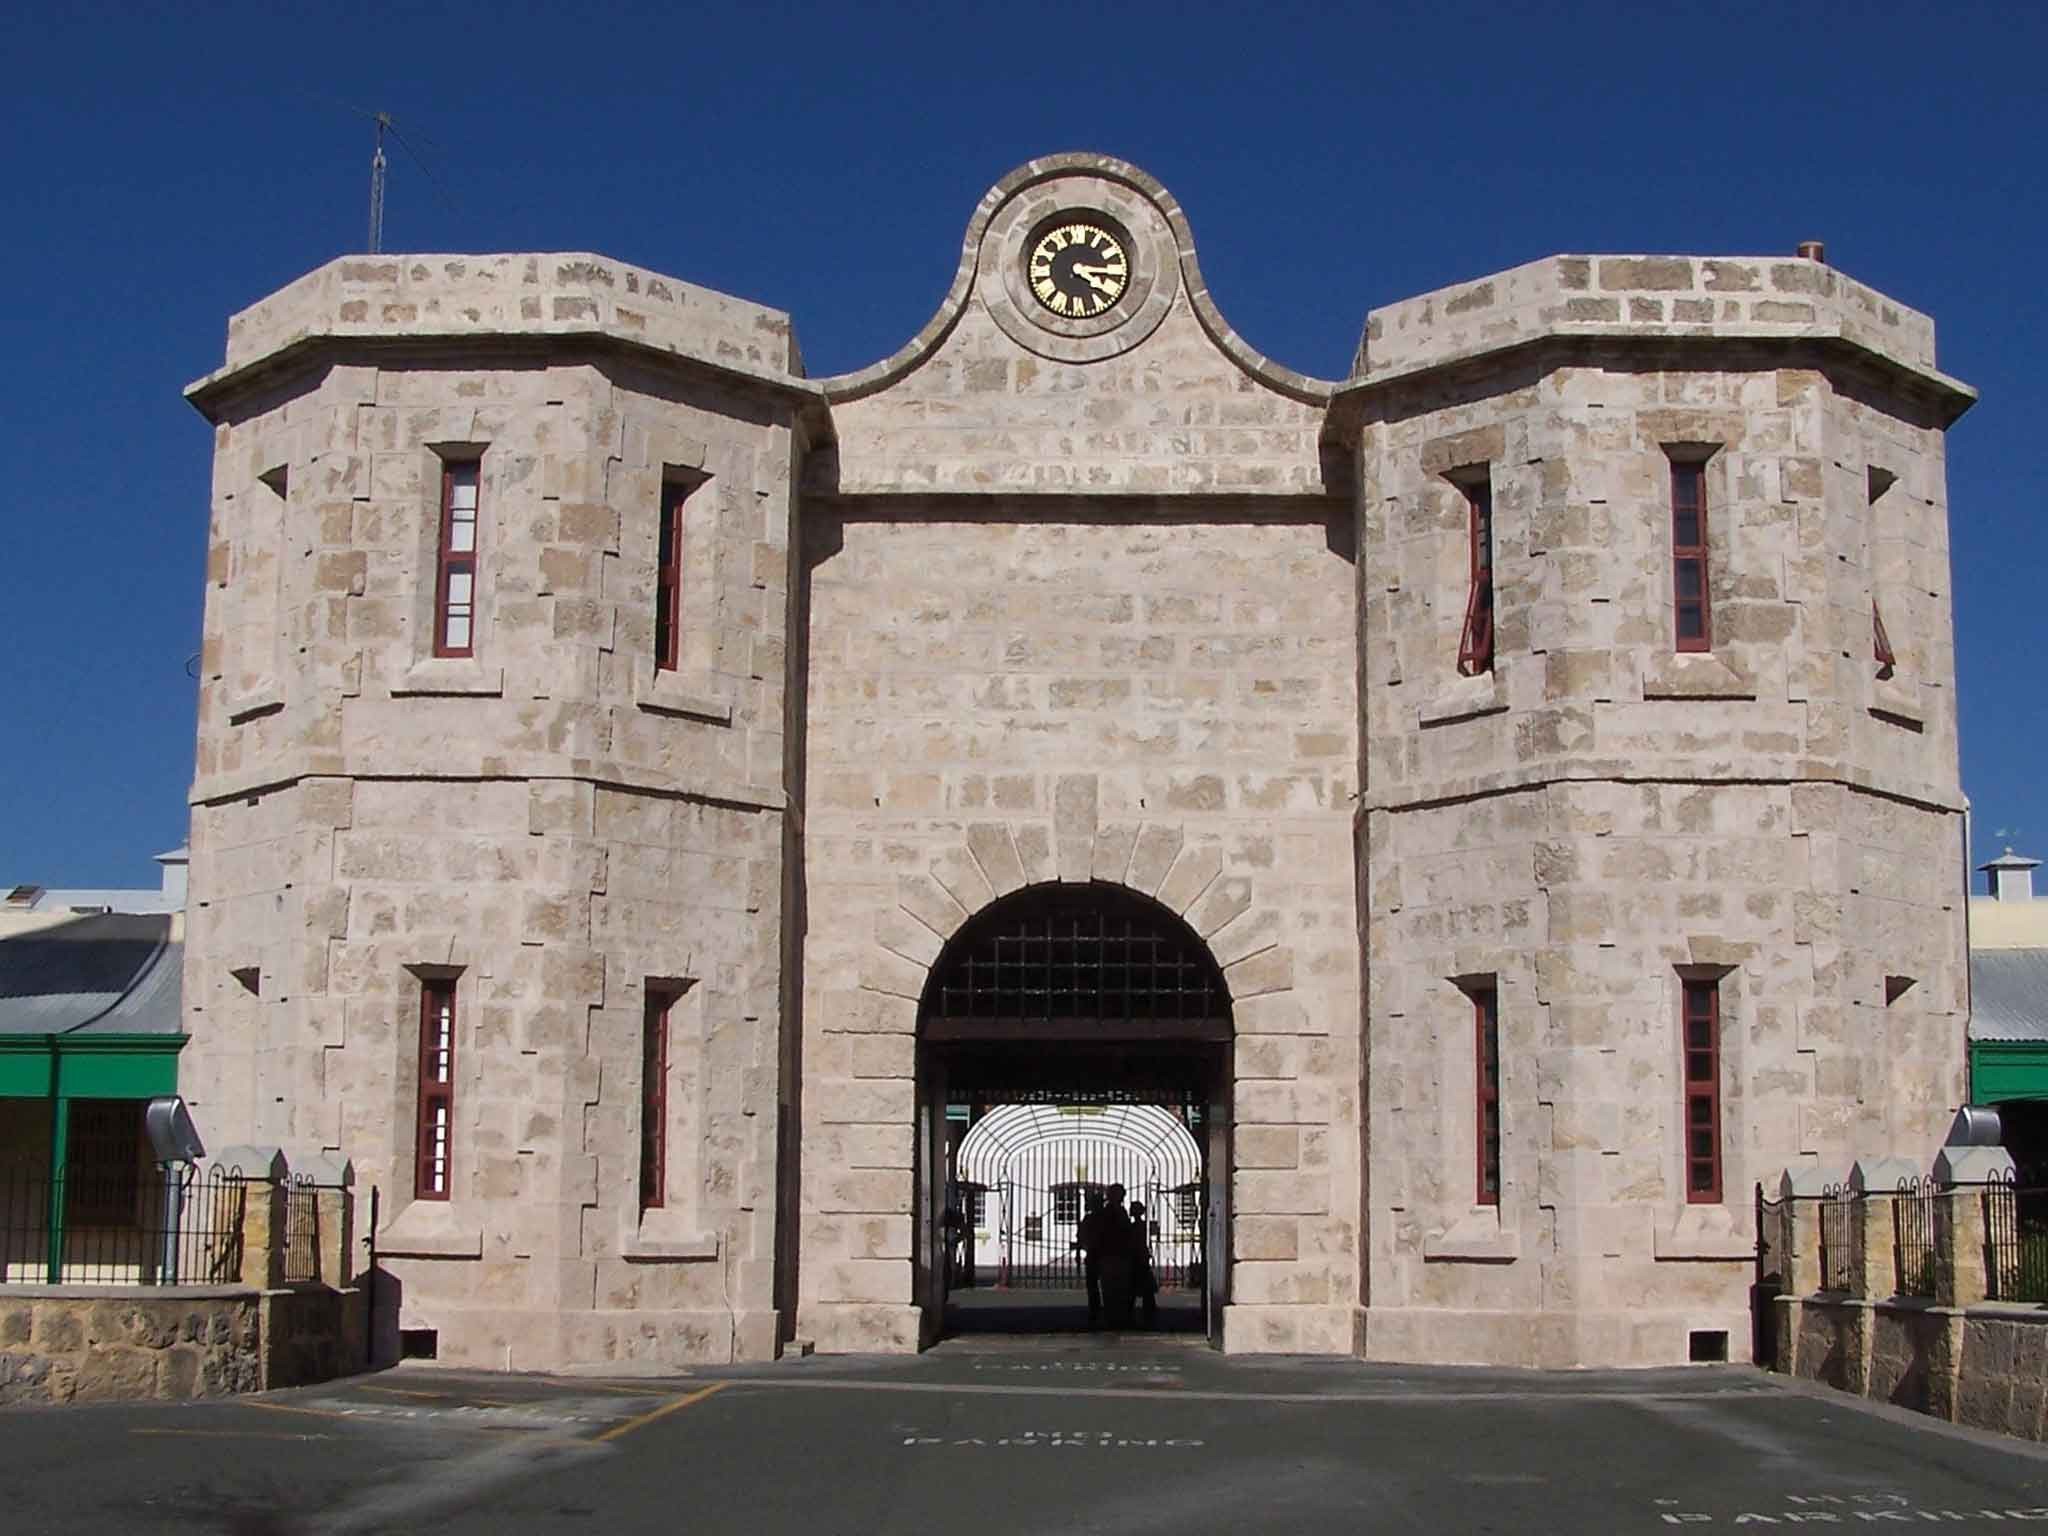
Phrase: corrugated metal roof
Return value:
(117, 974)
(92, 899)
(2009, 994)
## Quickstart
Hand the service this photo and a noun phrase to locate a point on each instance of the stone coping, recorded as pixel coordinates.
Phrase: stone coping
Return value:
(879, 376)
(1761, 296)
(84, 1292)
(1578, 301)
(562, 298)
(2031, 1312)
(528, 293)
(448, 297)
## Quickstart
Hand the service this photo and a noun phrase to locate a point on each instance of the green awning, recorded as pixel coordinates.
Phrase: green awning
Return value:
(2003, 1070)
(105, 1066)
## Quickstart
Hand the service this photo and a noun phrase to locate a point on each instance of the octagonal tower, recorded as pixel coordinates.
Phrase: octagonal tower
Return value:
(1694, 782)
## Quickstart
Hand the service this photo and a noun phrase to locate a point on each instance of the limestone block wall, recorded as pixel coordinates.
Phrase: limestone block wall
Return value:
(1600, 817)
(984, 414)
(1637, 297)
(993, 396)
(129, 1344)
(1010, 697)
(550, 822)
(551, 294)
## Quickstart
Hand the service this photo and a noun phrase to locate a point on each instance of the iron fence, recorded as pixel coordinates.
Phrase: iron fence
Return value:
(1916, 1264)
(1837, 1228)
(2016, 1239)
(136, 1227)
(301, 1231)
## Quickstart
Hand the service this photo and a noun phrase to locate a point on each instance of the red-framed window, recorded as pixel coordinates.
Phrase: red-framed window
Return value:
(1691, 603)
(455, 582)
(1486, 1053)
(1475, 643)
(1881, 643)
(668, 586)
(1701, 1024)
(654, 1098)
(433, 1145)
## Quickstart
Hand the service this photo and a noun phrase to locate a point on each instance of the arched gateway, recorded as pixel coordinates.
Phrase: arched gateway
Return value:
(1075, 999)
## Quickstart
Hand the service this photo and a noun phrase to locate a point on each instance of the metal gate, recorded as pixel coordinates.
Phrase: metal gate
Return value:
(1036, 1171)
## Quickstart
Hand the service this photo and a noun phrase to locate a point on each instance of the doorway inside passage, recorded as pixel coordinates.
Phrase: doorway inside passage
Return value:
(1072, 1038)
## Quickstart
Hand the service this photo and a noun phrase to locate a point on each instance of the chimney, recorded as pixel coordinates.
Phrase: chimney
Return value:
(174, 864)
(2011, 876)
(1813, 250)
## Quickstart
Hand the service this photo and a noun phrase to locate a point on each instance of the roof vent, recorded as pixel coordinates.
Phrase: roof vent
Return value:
(2011, 876)
(1812, 250)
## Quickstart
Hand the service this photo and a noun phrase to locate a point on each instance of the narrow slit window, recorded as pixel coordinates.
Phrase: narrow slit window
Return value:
(1486, 1040)
(1475, 643)
(654, 1099)
(1692, 605)
(455, 586)
(433, 1148)
(668, 589)
(1701, 1025)
(1879, 481)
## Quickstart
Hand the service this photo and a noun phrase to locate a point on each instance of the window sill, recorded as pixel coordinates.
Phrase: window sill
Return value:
(663, 1237)
(1704, 1232)
(1475, 1238)
(1465, 698)
(429, 1229)
(264, 699)
(450, 675)
(693, 696)
(1897, 703)
(1695, 675)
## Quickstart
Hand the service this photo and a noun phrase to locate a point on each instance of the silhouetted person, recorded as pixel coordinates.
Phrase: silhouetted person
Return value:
(1114, 1238)
(1144, 1284)
(1088, 1237)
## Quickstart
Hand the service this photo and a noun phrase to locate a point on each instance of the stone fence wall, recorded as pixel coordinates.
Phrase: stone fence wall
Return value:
(297, 1312)
(1894, 1295)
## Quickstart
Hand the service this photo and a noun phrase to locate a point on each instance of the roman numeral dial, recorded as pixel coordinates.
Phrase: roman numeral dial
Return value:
(1078, 269)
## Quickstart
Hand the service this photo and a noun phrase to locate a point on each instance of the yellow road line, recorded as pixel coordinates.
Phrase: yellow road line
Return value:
(322, 1413)
(675, 1405)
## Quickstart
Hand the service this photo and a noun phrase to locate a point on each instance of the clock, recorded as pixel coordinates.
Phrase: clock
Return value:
(1078, 268)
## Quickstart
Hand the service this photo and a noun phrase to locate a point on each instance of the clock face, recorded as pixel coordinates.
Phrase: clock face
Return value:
(1078, 269)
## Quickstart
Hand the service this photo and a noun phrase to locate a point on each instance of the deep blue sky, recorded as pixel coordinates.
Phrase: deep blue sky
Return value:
(167, 165)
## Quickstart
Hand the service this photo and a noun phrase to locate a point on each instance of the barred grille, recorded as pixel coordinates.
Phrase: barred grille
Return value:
(1837, 1261)
(1916, 1259)
(1043, 959)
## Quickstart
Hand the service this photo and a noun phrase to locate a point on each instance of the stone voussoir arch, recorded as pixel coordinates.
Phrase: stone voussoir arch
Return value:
(1183, 872)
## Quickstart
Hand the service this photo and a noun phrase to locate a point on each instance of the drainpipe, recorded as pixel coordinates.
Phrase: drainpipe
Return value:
(1969, 988)
(60, 1152)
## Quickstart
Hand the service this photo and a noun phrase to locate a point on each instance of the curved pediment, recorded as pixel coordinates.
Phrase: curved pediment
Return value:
(1077, 350)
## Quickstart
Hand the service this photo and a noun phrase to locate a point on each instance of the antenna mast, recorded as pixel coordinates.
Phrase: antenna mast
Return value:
(377, 165)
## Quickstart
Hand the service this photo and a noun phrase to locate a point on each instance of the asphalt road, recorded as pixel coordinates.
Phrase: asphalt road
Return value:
(1063, 1437)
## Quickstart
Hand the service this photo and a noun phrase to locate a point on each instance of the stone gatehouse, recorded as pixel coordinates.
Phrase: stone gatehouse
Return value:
(616, 747)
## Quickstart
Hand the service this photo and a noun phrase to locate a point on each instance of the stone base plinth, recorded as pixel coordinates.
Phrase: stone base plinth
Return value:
(862, 1328)
(1284, 1330)
(1546, 1340)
